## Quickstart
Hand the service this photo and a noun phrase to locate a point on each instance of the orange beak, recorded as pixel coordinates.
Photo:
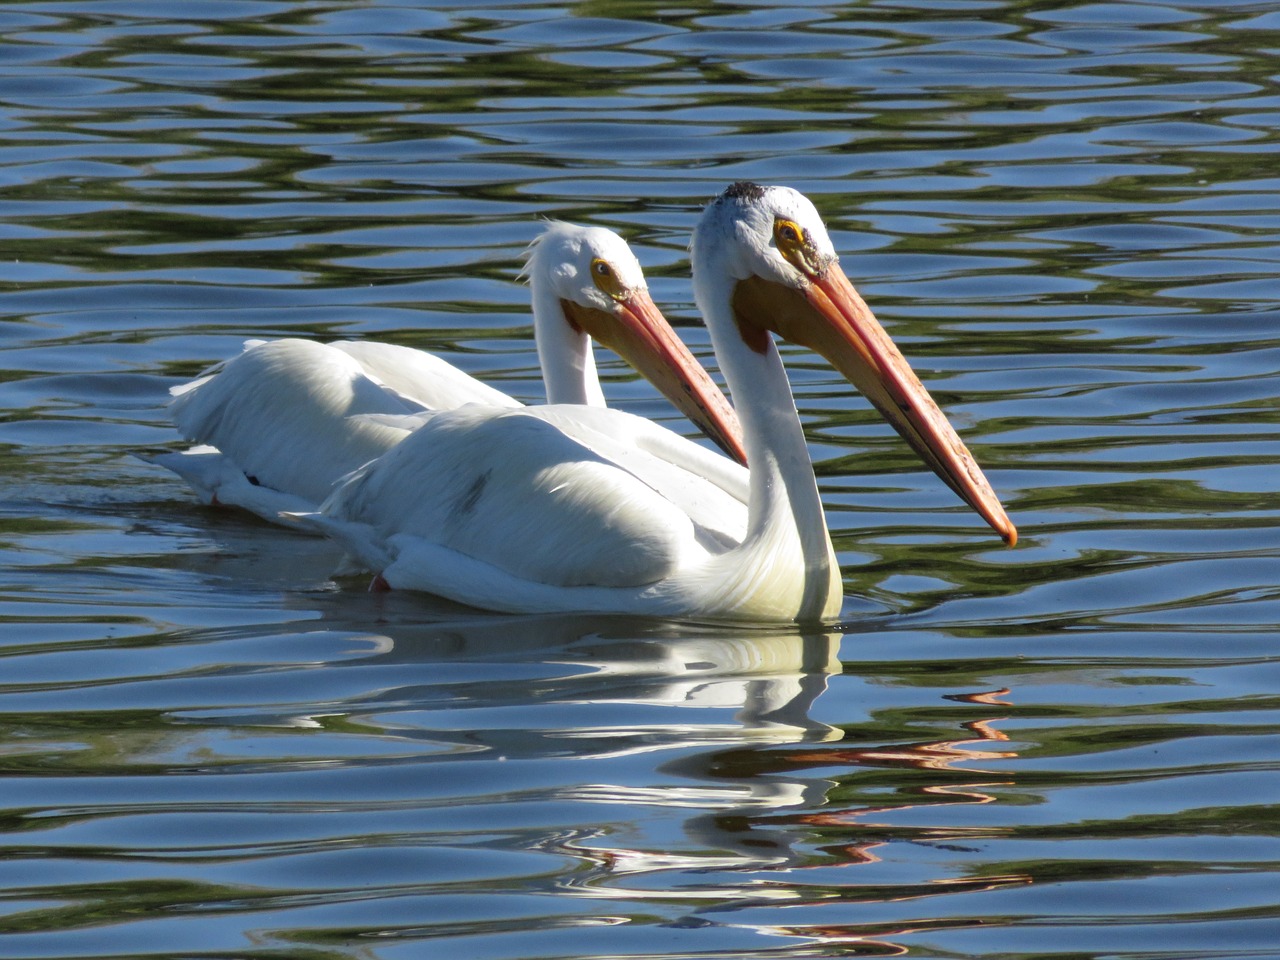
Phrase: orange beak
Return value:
(828, 316)
(641, 335)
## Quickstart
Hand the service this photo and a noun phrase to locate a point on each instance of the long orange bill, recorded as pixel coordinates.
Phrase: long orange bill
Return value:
(860, 348)
(827, 315)
(644, 339)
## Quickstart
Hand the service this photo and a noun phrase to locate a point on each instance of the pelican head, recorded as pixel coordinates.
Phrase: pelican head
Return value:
(786, 279)
(587, 283)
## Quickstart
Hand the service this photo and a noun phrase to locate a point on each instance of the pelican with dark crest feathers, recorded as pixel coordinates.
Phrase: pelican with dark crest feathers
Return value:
(538, 510)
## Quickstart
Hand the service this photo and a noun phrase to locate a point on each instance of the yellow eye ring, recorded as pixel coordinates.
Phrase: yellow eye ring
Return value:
(606, 279)
(789, 237)
(792, 242)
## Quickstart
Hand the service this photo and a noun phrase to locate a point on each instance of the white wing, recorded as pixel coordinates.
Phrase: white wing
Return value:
(290, 415)
(421, 377)
(559, 495)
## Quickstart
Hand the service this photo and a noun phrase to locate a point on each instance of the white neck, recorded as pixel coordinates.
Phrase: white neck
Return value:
(568, 363)
(784, 510)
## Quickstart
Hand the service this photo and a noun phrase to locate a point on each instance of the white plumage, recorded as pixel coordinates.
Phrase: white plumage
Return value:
(279, 424)
(555, 510)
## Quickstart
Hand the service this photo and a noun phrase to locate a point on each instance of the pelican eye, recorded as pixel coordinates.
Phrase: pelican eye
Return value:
(606, 279)
(792, 242)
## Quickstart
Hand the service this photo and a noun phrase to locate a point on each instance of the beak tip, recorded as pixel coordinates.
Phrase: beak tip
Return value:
(992, 511)
(1004, 526)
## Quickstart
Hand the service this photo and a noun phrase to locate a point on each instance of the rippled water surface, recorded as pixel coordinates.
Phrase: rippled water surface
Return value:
(1069, 215)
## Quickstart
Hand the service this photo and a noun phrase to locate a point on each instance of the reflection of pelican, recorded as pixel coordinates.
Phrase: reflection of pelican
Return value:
(636, 685)
(285, 419)
(526, 511)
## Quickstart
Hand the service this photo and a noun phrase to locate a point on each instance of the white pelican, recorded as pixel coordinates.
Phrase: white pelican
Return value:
(281, 422)
(532, 511)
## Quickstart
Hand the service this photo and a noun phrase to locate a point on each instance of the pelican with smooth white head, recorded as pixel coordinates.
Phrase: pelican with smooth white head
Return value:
(280, 423)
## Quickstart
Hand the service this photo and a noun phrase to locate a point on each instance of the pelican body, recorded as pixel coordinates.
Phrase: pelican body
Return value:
(278, 425)
(536, 510)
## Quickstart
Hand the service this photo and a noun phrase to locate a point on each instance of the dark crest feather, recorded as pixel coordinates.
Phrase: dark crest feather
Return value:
(744, 190)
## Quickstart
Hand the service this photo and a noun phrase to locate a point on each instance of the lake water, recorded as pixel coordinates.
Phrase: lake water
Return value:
(1068, 215)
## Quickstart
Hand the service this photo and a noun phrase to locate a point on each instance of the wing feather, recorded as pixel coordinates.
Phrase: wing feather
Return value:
(421, 377)
(706, 486)
(513, 490)
(287, 414)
